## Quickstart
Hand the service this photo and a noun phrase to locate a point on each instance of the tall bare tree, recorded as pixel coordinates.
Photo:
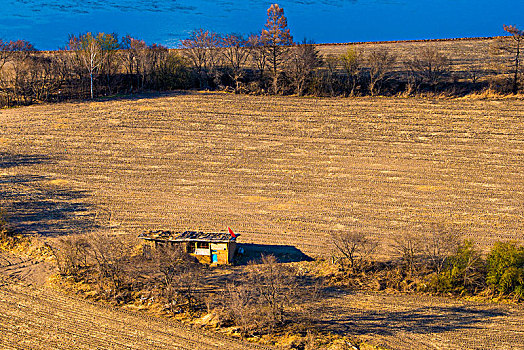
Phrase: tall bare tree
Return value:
(304, 59)
(133, 52)
(200, 48)
(89, 54)
(258, 53)
(515, 48)
(380, 64)
(4, 53)
(235, 54)
(277, 38)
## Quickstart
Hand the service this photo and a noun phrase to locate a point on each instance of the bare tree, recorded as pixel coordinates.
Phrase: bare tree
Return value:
(180, 277)
(514, 48)
(331, 63)
(4, 53)
(258, 300)
(239, 305)
(258, 53)
(277, 39)
(380, 64)
(429, 66)
(439, 244)
(133, 52)
(18, 55)
(110, 254)
(275, 285)
(45, 76)
(111, 60)
(200, 49)
(152, 60)
(355, 247)
(89, 55)
(409, 246)
(304, 59)
(235, 55)
(71, 253)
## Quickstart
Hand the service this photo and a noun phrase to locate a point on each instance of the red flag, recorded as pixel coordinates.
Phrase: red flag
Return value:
(231, 232)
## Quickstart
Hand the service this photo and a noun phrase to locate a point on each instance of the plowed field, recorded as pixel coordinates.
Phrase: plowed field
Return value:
(278, 170)
(33, 318)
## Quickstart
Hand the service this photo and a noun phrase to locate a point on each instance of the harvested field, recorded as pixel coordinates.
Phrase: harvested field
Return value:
(466, 55)
(42, 319)
(412, 322)
(278, 170)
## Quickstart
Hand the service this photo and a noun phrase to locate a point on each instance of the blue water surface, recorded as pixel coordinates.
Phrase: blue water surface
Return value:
(47, 23)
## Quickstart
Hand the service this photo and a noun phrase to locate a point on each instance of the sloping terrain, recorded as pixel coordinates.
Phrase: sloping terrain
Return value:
(33, 318)
(413, 322)
(278, 170)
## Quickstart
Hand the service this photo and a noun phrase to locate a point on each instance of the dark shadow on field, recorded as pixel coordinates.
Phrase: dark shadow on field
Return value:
(421, 320)
(35, 204)
(141, 96)
(9, 160)
(284, 253)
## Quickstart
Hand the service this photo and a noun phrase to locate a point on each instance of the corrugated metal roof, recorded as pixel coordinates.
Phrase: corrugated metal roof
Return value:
(187, 236)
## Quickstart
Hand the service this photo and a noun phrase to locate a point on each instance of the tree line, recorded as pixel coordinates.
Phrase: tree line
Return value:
(437, 261)
(269, 62)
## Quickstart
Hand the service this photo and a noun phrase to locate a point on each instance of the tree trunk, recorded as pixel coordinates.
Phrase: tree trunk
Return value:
(516, 73)
(91, 78)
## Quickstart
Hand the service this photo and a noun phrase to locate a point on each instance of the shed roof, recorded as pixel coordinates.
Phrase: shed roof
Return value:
(187, 236)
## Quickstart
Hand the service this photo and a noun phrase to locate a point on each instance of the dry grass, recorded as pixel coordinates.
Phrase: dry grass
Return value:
(278, 170)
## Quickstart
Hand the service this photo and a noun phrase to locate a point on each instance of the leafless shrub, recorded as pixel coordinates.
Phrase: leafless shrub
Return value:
(110, 255)
(380, 65)
(240, 308)
(264, 297)
(71, 254)
(409, 246)
(355, 247)
(438, 245)
(429, 66)
(181, 277)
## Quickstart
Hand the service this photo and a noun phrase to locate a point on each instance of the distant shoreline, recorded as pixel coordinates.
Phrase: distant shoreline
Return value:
(381, 42)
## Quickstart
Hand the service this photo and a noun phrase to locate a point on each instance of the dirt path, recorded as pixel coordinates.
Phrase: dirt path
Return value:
(14, 268)
(39, 318)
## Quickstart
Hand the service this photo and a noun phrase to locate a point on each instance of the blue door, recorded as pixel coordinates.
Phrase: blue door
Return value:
(214, 257)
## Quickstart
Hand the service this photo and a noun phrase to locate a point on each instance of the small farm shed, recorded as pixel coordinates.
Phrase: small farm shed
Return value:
(211, 248)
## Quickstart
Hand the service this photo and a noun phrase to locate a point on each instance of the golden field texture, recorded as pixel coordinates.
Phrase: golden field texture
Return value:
(34, 318)
(278, 170)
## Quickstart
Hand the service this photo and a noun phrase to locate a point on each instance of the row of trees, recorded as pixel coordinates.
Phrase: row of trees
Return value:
(437, 261)
(268, 62)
